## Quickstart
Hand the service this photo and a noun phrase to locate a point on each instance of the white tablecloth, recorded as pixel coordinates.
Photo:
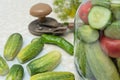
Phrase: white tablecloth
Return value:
(14, 17)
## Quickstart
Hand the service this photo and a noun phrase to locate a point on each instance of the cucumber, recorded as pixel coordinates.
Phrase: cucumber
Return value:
(115, 7)
(104, 3)
(80, 56)
(100, 64)
(4, 68)
(113, 31)
(45, 63)
(118, 64)
(99, 17)
(35, 39)
(16, 73)
(13, 46)
(53, 76)
(88, 34)
(81, 59)
(30, 51)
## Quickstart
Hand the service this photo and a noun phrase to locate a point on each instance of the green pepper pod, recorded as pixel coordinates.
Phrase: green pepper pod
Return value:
(16, 73)
(4, 69)
(30, 51)
(13, 46)
(59, 41)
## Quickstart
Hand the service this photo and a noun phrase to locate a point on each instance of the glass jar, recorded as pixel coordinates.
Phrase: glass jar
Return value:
(97, 40)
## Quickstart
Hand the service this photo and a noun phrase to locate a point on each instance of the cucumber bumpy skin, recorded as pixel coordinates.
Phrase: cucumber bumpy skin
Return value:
(30, 51)
(99, 17)
(100, 64)
(45, 63)
(53, 76)
(4, 68)
(16, 73)
(13, 46)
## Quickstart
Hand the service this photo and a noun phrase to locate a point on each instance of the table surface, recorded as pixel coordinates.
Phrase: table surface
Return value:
(14, 17)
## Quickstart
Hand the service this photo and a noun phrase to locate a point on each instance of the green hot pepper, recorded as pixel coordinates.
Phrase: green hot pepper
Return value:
(59, 41)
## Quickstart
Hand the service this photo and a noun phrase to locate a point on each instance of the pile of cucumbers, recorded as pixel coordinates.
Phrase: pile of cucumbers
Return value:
(97, 40)
(39, 69)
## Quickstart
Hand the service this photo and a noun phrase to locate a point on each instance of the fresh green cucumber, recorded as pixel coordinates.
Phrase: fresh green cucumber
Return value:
(113, 31)
(13, 46)
(53, 76)
(35, 39)
(100, 64)
(99, 17)
(80, 55)
(16, 73)
(30, 51)
(104, 3)
(115, 7)
(88, 34)
(118, 63)
(45, 63)
(4, 68)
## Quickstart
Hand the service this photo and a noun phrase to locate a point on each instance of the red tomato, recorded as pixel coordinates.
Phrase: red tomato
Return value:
(84, 11)
(111, 47)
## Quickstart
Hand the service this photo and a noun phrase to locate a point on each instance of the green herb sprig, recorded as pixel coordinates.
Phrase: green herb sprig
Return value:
(66, 9)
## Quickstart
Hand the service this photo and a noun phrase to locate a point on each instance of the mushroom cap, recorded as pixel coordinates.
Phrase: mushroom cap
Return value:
(40, 10)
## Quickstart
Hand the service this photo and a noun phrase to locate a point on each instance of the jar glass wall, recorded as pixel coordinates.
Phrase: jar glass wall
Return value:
(97, 40)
